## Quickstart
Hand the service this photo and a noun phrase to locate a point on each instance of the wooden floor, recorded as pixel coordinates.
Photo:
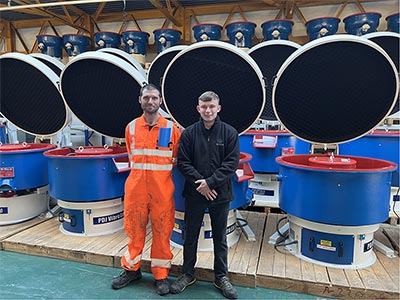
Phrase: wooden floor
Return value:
(251, 264)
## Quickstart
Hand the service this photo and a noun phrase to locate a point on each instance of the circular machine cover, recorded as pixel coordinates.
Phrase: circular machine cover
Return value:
(29, 95)
(125, 56)
(390, 42)
(219, 67)
(160, 63)
(270, 56)
(53, 63)
(335, 89)
(102, 90)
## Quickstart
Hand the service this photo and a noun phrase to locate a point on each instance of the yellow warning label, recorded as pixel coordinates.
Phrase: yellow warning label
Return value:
(326, 243)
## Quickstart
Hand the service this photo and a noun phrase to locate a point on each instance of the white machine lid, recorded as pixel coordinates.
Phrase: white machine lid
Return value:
(335, 89)
(219, 67)
(102, 90)
(125, 56)
(269, 56)
(53, 63)
(29, 94)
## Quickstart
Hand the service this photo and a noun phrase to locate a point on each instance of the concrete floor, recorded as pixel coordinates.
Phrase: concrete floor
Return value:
(32, 277)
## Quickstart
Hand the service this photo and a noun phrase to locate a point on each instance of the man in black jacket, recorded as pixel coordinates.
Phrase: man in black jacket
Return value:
(208, 156)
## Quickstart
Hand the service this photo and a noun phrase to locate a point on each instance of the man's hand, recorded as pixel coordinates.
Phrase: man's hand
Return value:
(205, 190)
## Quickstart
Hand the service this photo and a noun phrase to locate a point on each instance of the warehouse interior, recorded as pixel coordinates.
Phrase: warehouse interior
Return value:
(311, 86)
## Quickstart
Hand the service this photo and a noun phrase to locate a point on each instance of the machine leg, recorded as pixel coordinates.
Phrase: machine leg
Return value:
(384, 249)
(246, 229)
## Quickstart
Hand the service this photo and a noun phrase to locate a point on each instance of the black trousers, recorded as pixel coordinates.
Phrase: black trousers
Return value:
(194, 214)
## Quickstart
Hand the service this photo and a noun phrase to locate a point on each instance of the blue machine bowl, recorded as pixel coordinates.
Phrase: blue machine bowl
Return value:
(393, 22)
(166, 37)
(205, 32)
(23, 166)
(87, 174)
(333, 193)
(362, 23)
(380, 145)
(277, 29)
(320, 27)
(240, 185)
(76, 44)
(106, 39)
(50, 44)
(276, 143)
(246, 29)
(135, 41)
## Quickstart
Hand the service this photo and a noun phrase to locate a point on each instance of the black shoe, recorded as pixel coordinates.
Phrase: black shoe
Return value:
(162, 287)
(125, 278)
(181, 283)
(226, 288)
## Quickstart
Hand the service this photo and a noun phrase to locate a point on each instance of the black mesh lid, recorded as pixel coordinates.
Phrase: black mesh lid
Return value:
(335, 89)
(219, 67)
(159, 65)
(390, 42)
(29, 95)
(269, 56)
(102, 90)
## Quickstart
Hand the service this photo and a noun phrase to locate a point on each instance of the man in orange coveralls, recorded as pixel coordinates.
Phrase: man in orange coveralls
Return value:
(152, 144)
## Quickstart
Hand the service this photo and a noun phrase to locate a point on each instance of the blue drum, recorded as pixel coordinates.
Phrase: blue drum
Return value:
(88, 173)
(266, 145)
(323, 189)
(23, 166)
(378, 144)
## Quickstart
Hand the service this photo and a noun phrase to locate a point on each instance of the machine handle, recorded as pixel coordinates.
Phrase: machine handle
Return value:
(247, 172)
(121, 164)
(341, 249)
(311, 244)
(71, 220)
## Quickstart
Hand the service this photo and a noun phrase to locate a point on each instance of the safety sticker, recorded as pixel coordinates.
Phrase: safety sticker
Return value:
(6, 172)
(319, 246)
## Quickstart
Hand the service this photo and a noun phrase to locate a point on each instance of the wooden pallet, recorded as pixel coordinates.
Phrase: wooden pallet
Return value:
(251, 264)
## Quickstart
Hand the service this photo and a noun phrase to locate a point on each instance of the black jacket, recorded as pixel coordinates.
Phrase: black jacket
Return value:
(212, 154)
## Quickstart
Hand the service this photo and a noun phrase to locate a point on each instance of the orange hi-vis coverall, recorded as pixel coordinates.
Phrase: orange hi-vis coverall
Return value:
(149, 190)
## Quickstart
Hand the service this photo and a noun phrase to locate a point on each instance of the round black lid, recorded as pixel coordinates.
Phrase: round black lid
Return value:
(335, 89)
(102, 90)
(269, 56)
(160, 63)
(390, 42)
(29, 94)
(220, 67)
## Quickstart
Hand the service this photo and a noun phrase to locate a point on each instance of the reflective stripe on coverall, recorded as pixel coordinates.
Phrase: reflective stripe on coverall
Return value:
(149, 190)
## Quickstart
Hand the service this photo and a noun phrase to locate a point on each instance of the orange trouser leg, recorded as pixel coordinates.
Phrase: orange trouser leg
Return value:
(162, 216)
(135, 222)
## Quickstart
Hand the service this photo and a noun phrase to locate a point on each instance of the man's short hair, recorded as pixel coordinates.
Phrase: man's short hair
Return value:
(149, 87)
(208, 96)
